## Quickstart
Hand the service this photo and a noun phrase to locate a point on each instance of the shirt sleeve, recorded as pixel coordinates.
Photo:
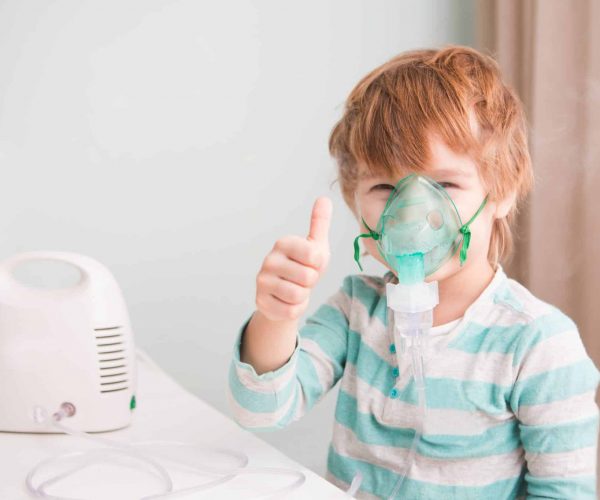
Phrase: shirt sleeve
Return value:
(274, 399)
(553, 399)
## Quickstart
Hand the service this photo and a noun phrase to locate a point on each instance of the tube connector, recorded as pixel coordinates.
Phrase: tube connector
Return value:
(412, 298)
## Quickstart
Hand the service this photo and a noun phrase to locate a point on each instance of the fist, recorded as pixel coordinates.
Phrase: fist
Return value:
(293, 267)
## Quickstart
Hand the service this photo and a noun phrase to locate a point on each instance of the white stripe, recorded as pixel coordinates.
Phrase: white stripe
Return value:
(553, 352)
(376, 283)
(581, 462)
(477, 471)
(321, 362)
(251, 420)
(566, 410)
(341, 301)
(504, 316)
(531, 305)
(397, 413)
(490, 367)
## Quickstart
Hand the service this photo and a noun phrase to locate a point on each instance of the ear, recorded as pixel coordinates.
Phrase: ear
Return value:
(503, 206)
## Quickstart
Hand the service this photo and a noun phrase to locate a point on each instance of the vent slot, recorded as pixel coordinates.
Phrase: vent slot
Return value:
(110, 344)
(115, 390)
(113, 374)
(111, 347)
(112, 367)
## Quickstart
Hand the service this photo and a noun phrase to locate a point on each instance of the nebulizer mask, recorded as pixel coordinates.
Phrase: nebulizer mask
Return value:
(418, 231)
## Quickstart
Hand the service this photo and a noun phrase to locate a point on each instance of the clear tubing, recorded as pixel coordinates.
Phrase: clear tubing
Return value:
(122, 450)
(410, 329)
(354, 485)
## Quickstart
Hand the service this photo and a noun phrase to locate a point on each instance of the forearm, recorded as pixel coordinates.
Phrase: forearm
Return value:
(267, 345)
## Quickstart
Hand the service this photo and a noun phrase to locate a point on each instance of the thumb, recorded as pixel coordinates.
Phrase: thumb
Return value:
(320, 221)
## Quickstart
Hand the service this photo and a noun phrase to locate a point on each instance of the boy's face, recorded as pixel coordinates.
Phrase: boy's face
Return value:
(459, 175)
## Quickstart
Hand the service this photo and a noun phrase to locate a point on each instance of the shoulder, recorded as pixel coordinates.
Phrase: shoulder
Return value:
(538, 314)
(540, 325)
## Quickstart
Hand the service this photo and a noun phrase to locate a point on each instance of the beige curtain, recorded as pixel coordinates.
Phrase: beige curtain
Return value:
(549, 51)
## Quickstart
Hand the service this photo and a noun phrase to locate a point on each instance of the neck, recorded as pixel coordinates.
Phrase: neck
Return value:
(459, 291)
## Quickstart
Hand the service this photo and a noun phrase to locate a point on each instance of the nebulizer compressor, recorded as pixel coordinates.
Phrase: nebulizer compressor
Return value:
(418, 231)
(67, 355)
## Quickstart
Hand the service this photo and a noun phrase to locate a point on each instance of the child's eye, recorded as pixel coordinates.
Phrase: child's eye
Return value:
(447, 185)
(381, 187)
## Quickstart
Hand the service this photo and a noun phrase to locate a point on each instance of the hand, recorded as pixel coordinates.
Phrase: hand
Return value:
(293, 267)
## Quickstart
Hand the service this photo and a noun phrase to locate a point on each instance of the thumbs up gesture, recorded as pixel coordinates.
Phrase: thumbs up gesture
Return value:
(293, 267)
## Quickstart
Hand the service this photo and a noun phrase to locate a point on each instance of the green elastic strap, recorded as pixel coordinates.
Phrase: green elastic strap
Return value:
(370, 234)
(466, 232)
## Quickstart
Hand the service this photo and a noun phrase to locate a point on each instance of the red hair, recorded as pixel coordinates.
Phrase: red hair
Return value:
(390, 112)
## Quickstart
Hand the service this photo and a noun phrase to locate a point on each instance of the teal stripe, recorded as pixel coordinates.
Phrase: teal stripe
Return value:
(576, 487)
(258, 402)
(375, 304)
(555, 385)
(380, 481)
(502, 438)
(515, 339)
(283, 422)
(555, 438)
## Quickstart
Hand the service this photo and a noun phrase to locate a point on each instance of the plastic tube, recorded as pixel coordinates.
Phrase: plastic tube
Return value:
(354, 485)
(410, 328)
(120, 450)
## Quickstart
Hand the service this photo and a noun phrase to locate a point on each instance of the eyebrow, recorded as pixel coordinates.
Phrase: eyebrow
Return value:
(443, 172)
(368, 176)
(454, 172)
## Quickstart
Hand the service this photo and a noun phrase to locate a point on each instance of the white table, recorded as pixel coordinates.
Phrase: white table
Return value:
(165, 411)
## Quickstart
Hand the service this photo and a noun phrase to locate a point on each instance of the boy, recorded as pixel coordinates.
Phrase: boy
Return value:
(509, 386)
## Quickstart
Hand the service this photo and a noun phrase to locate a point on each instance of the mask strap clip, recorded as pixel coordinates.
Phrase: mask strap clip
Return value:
(370, 234)
(465, 230)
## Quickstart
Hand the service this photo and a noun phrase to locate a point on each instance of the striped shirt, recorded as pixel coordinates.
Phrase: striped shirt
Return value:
(509, 391)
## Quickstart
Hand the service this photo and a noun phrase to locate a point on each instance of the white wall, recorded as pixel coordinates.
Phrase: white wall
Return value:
(176, 141)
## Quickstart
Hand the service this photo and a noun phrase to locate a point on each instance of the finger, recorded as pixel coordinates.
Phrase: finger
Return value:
(293, 271)
(302, 251)
(287, 292)
(320, 220)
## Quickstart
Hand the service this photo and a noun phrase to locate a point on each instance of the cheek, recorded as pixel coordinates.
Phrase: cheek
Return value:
(371, 212)
(482, 231)
(371, 247)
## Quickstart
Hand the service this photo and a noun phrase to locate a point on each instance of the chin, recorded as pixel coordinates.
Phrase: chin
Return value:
(450, 268)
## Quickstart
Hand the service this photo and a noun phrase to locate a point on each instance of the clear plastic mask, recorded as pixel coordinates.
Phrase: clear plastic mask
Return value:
(419, 229)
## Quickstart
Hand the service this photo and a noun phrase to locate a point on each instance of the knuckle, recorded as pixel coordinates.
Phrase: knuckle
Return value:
(269, 261)
(279, 244)
(283, 243)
